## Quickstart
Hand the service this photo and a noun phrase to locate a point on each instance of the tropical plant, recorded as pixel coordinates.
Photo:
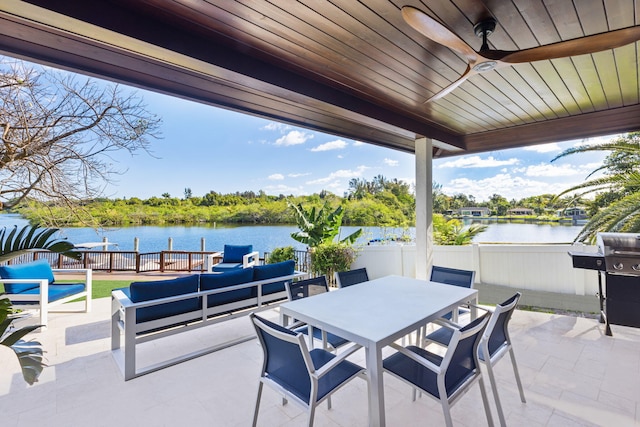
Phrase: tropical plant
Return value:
(321, 226)
(331, 257)
(29, 353)
(13, 243)
(284, 253)
(619, 186)
(453, 231)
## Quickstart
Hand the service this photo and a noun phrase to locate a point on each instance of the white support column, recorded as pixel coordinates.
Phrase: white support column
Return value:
(424, 207)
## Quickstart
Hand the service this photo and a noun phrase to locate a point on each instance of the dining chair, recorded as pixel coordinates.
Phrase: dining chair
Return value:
(495, 343)
(307, 288)
(351, 277)
(302, 376)
(444, 378)
(455, 277)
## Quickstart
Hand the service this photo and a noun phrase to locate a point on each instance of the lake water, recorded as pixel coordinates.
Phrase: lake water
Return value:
(265, 238)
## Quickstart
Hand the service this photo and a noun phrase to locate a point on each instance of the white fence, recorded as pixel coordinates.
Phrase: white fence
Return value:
(546, 268)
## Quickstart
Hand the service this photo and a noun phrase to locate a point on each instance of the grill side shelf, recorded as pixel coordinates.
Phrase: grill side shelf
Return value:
(588, 261)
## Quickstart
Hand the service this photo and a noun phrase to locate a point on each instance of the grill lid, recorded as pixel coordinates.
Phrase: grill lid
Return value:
(621, 252)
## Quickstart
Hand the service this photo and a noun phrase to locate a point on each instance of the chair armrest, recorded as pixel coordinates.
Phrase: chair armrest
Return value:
(209, 260)
(254, 259)
(336, 360)
(413, 356)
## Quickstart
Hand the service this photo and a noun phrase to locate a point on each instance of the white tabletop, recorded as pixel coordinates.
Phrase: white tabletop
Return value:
(376, 313)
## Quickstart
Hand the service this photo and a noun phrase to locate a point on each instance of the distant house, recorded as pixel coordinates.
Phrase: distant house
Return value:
(474, 211)
(520, 211)
(576, 212)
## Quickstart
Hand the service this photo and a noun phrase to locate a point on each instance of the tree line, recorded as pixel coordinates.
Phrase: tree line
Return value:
(380, 202)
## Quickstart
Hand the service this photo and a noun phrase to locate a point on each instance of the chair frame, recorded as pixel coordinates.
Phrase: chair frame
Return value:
(314, 374)
(41, 301)
(340, 277)
(320, 281)
(441, 371)
(504, 348)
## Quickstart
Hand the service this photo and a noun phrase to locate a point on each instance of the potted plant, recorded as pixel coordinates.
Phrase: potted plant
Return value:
(331, 257)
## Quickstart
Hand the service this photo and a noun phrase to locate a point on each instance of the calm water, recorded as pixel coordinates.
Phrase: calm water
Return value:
(267, 237)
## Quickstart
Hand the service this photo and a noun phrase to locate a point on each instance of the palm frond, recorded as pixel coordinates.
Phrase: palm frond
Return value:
(15, 242)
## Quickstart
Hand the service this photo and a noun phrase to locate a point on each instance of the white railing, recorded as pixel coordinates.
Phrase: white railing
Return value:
(539, 267)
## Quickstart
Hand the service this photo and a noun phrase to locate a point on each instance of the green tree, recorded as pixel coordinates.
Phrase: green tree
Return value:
(619, 186)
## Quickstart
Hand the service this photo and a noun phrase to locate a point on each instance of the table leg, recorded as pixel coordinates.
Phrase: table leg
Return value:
(376, 386)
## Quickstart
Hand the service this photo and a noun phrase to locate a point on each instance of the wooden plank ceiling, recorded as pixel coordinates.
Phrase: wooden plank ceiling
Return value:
(351, 68)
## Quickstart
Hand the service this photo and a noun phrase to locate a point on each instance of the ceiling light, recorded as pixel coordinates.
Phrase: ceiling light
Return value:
(485, 66)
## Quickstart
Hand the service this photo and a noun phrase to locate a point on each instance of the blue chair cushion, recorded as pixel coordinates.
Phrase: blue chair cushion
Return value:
(230, 278)
(223, 267)
(234, 253)
(56, 292)
(146, 291)
(34, 270)
(269, 271)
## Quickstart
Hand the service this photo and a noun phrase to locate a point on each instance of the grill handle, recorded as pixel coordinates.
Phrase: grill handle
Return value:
(627, 253)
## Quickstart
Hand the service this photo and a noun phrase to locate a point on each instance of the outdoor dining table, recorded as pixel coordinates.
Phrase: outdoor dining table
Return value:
(376, 313)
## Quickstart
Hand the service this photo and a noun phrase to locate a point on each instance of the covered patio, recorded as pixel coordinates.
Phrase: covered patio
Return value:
(573, 375)
(437, 78)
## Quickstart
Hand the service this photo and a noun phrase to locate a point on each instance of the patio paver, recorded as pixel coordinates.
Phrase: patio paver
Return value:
(572, 374)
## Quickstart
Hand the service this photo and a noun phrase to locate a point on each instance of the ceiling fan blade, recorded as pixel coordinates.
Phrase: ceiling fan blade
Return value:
(447, 90)
(581, 46)
(437, 32)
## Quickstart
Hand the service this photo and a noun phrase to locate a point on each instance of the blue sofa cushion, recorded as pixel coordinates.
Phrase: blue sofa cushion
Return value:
(269, 271)
(226, 266)
(34, 270)
(146, 291)
(230, 278)
(234, 253)
(56, 292)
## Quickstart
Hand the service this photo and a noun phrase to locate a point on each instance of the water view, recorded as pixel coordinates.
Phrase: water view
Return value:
(267, 237)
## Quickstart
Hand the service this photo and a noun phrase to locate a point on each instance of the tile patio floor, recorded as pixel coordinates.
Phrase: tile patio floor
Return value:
(573, 375)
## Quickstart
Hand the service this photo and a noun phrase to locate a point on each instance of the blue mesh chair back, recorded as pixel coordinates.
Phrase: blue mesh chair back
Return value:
(307, 288)
(454, 373)
(453, 276)
(351, 277)
(291, 369)
(499, 334)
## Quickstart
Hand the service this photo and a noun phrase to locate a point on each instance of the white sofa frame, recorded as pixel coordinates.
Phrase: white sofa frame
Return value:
(248, 260)
(124, 312)
(41, 301)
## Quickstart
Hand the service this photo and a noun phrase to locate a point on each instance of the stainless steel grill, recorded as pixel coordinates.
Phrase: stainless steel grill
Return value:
(618, 261)
(621, 252)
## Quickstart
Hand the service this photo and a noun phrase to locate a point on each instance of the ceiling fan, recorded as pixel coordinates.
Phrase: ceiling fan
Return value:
(487, 59)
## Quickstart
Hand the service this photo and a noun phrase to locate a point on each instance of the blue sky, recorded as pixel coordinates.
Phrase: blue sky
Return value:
(210, 149)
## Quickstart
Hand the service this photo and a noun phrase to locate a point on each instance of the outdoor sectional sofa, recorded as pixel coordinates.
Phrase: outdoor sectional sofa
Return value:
(151, 310)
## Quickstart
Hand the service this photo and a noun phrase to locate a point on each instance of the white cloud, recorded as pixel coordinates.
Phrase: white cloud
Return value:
(478, 162)
(294, 137)
(390, 162)
(342, 173)
(545, 169)
(544, 148)
(298, 175)
(506, 185)
(358, 143)
(595, 141)
(276, 126)
(338, 144)
(340, 156)
(276, 177)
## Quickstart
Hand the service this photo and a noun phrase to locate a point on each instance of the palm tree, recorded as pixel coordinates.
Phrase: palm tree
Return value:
(619, 186)
(13, 243)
